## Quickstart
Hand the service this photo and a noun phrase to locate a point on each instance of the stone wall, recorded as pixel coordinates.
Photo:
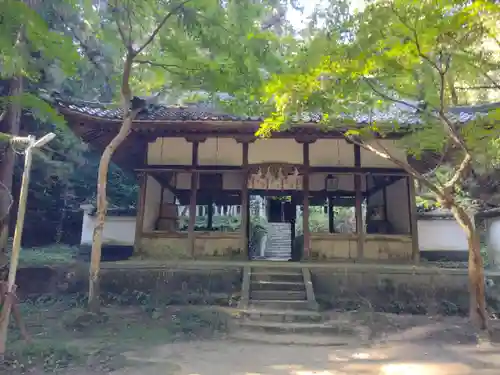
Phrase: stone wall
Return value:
(174, 285)
(207, 245)
(389, 290)
(375, 288)
(327, 246)
(136, 286)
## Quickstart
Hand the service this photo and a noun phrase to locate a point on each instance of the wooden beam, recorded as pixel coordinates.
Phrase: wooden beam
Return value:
(192, 202)
(141, 204)
(305, 204)
(415, 253)
(358, 207)
(237, 168)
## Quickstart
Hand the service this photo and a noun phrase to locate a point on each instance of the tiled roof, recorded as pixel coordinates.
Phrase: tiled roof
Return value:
(403, 115)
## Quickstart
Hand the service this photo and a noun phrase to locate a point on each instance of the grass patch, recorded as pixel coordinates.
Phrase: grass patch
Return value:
(46, 256)
(67, 337)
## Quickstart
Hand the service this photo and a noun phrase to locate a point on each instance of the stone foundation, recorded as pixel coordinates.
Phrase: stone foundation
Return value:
(389, 291)
(173, 286)
(382, 288)
(162, 245)
(326, 246)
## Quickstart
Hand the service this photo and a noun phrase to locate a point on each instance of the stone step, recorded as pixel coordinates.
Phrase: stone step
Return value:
(282, 295)
(293, 339)
(280, 246)
(277, 285)
(278, 254)
(271, 277)
(278, 225)
(280, 305)
(287, 270)
(277, 258)
(272, 315)
(295, 327)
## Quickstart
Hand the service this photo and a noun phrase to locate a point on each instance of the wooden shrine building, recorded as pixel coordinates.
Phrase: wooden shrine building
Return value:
(193, 157)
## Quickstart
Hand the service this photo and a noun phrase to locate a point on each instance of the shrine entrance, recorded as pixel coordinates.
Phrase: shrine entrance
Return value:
(273, 222)
(278, 187)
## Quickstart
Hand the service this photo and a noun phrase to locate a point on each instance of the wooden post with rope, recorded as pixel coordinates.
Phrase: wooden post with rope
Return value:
(10, 300)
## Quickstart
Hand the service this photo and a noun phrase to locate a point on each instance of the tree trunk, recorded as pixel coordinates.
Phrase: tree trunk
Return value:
(13, 122)
(102, 177)
(477, 300)
(60, 224)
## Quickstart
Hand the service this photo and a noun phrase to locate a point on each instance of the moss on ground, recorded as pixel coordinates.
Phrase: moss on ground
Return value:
(66, 337)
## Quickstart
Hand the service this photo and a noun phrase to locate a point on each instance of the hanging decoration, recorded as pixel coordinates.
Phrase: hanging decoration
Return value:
(275, 177)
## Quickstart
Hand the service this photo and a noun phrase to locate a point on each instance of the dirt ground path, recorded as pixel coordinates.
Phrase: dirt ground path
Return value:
(226, 357)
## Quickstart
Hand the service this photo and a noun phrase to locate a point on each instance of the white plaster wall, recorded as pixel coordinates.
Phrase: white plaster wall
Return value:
(161, 151)
(493, 238)
(398, 208)
(151, 204)
(371, 160)
(331, 152)
(118, 230)
(275, 150)
(432, 234)
(440, 235)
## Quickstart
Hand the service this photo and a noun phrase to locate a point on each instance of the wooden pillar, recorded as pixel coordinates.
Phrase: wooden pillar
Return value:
(245, 206)
(192, 200)
(305, 203)
(358, 208)
(210, 213)
(331, 226)
(415, 253)
(141, 204)
(384, 194)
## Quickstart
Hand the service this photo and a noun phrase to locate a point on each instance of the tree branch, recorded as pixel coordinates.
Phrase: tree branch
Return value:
(458, 173)
(163, 66)
(86, 49)
(130, 27)
(403, 165)
(158, 28)
(126, 42)
(126, 92)
(389, 98)
(483, 87)
(448, 124)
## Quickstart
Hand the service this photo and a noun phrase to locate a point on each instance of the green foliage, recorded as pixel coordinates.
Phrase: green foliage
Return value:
(412, 59)
(29, 46)
(394, 55)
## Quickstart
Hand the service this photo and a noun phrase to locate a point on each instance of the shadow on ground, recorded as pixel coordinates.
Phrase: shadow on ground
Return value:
(193, 341)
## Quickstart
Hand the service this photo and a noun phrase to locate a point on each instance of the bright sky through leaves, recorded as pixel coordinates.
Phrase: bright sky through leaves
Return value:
(299, 19)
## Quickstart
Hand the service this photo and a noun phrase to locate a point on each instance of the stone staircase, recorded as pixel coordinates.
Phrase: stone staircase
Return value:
(279, 241)
(278, 307)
